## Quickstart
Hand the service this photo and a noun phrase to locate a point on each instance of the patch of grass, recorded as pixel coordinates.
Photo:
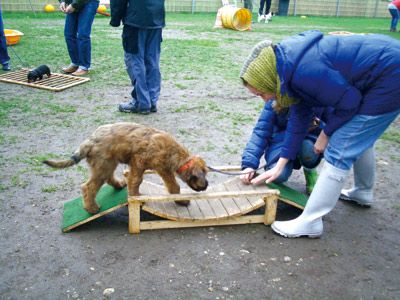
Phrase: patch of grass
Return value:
(391, 135)
(50, 189)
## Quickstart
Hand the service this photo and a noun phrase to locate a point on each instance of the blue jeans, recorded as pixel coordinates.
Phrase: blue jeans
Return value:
(4, 58)
(145, 45)
(78, 27)
(267, 7)
(395, 15)
(306, 157)
(350, 141)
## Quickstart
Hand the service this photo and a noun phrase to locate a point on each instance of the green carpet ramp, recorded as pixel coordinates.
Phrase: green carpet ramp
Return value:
(109, 200)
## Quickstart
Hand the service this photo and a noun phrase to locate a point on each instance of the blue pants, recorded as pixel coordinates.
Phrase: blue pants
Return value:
(78, 27)
(350, 141)
(4, 58)
(395, 15)
(306, 157)
(267, 7)
(143, 48)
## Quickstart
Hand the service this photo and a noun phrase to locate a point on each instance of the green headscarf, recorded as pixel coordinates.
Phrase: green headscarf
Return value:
(259, 70)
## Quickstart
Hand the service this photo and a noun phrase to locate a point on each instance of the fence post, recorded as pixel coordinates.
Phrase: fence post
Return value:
(338, 8)
(193, 1)
(376, 9)
(295, 8)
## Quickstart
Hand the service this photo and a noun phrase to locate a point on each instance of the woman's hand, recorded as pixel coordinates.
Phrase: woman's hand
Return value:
(70, 9)
(321, 143)
(245, 178)
(273, 173)
(62, 7)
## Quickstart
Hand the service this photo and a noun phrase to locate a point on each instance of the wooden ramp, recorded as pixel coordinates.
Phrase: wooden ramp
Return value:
(56, 82)
(224, 204)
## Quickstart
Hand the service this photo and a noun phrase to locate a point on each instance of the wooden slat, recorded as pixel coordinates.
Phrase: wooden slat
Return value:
(228, 203)
(150, 225)
(216, 205)
(255, 202)
(242, 202)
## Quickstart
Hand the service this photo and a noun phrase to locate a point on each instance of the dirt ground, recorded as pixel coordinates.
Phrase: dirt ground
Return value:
(358, 256)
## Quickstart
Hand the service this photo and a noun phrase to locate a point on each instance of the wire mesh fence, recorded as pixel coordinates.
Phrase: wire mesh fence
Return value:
(342, 8)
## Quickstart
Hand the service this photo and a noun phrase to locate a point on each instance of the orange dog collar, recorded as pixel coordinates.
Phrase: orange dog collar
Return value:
(187, 165)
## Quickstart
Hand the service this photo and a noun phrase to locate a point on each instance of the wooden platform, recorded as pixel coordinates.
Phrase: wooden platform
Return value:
(56, 82)
(227, 203)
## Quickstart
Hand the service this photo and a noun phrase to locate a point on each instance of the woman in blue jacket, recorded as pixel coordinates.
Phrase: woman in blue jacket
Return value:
(359, 76)
(267, 139)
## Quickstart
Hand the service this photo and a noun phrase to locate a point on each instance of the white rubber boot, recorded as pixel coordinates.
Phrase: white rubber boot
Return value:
(364, 177)
(322, 200)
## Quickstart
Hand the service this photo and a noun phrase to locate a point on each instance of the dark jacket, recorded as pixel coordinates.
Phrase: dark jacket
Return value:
(357, 74)
(270, 130)
(142, 14)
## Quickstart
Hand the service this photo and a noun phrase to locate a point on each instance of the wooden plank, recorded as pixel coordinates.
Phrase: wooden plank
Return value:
(205, 208)
(194, 210)
(242, 202)
(134, 217)
(271, 205)
(201, 195)
(228, 203)
(151, 225)
(216, 206)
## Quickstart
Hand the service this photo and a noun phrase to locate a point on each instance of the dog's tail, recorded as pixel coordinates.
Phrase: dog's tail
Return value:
(60, 164)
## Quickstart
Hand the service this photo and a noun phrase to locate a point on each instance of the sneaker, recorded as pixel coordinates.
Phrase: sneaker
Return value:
(70, 69)
(393, 29)
(6, 67)
(268, 17)
(80, 72)
(260, 18)
(131, 108)
(153, 109)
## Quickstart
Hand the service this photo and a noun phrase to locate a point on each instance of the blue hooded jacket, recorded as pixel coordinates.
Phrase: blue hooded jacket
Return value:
(270, 130)
(357, 74)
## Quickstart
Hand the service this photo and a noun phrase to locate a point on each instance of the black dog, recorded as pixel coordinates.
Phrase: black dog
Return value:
(38, 73)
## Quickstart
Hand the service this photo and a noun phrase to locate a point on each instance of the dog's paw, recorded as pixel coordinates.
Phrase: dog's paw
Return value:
(183, 202)
(93, 209)
(119, 184)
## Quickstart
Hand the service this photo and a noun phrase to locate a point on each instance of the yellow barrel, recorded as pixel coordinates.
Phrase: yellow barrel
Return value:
(235, 18)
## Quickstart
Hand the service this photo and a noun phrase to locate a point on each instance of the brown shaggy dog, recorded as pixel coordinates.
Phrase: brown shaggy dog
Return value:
(140, 147)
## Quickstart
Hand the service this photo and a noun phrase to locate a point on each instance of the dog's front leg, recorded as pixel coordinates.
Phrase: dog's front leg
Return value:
(135, 179)
(172, 186)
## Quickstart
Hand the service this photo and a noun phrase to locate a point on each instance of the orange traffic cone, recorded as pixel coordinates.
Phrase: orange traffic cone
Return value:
(218, 21)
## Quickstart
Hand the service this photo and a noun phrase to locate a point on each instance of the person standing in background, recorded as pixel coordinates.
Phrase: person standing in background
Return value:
(267, 15)
(4, 58)
(78, 26)
(248, 4)
(394, 8)
(143, 21)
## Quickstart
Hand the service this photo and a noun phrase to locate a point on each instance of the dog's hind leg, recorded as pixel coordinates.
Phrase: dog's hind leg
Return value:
(99, 174)
(116, 183)
(89, 192)
(172, 186)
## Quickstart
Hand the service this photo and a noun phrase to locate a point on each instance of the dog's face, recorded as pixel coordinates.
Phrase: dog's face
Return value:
(195, 175)
(31, 76)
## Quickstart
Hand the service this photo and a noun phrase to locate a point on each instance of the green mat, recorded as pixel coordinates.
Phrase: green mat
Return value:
(108, 198)
(289, 193)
